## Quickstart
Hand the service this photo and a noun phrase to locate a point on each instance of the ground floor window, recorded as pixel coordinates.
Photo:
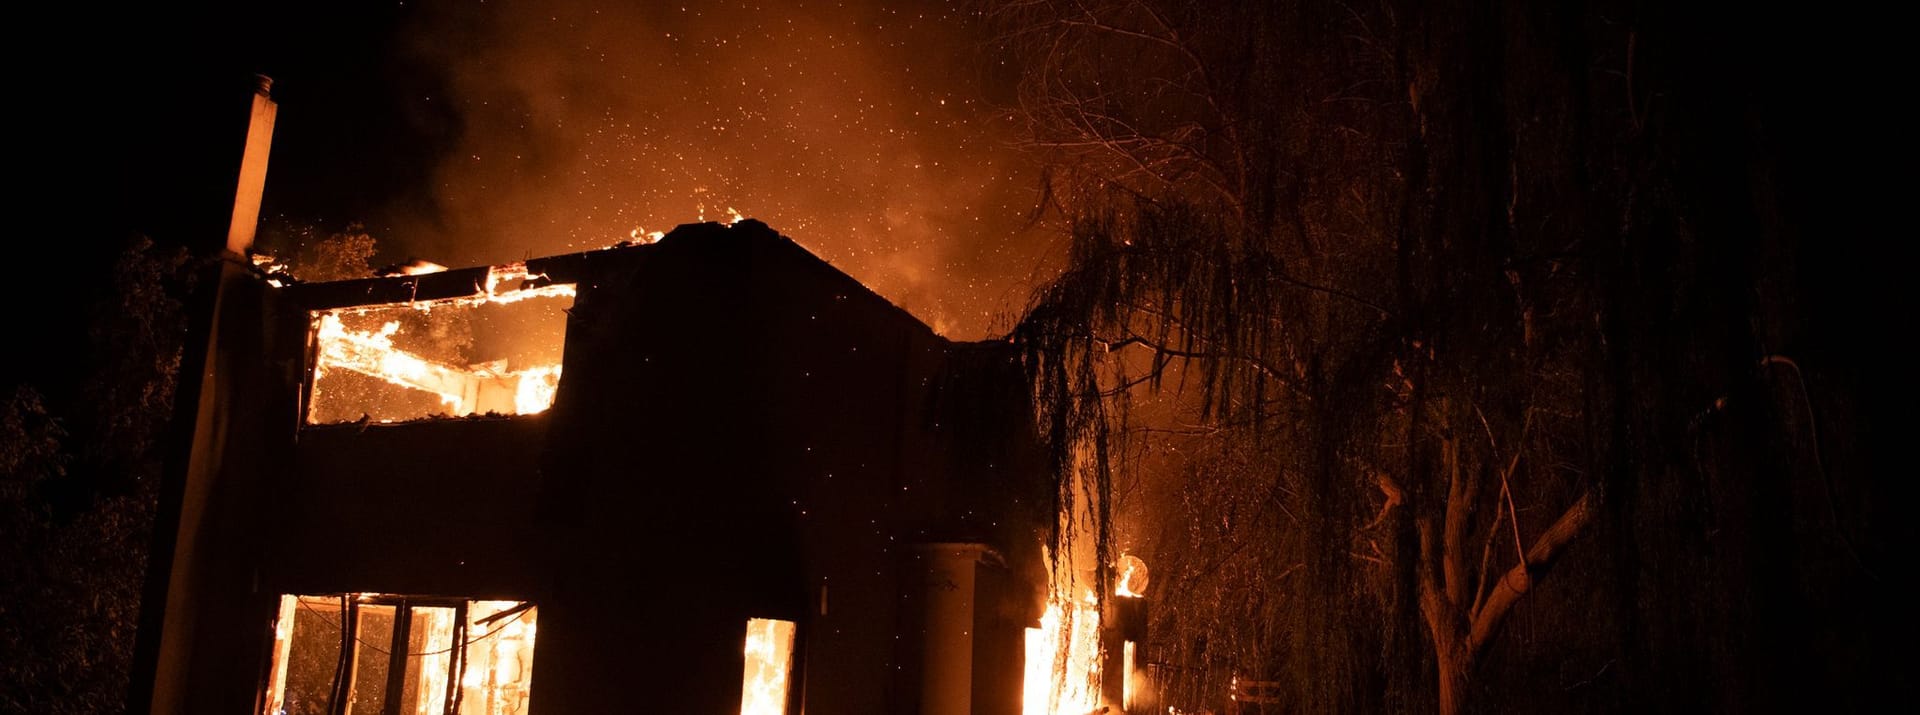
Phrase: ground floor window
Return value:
(384, 654)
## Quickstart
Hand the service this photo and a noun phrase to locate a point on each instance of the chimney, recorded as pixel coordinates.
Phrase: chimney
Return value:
(253, 168)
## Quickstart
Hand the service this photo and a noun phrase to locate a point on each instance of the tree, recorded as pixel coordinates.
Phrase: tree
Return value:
(1384, 258)
(77, 497)
(338, 256)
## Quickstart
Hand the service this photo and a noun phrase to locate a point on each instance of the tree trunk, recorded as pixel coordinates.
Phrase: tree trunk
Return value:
(1453, 668)
(1446, 626)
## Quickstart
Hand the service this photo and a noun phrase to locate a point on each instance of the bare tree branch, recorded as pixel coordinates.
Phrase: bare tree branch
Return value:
(1519, 579)
(1394, 497)
(1459, 502)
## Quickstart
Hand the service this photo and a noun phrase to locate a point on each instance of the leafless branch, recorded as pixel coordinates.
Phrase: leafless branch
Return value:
(1519, 579)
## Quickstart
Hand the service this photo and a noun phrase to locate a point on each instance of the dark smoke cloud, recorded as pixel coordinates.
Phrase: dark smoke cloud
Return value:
(864, 131)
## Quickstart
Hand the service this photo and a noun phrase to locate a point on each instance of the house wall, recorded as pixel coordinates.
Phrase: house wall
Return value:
(740, 431)
(437, 507)
(201, 614)
(763, 429)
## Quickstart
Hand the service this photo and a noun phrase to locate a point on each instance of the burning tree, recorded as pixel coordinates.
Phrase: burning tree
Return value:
(1386, 260)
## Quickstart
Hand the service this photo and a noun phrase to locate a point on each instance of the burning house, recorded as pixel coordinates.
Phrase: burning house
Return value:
(707, 474)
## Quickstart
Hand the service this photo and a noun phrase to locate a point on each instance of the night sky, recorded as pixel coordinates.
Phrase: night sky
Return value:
(472, 133)
(475, 133)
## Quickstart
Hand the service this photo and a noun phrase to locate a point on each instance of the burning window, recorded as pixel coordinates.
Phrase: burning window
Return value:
(763, 685)
(379, 654)
(496, 351)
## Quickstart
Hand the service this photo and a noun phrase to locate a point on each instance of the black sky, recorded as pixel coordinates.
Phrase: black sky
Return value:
(472, 132)
(129, 120)
(476, 132)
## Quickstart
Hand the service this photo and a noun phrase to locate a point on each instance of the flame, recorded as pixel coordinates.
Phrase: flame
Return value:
(270, 267)
(499, 275)
(496, 664)
(1131, 668)
(436, 658)
(534, 391)
(499, 675)
(462, 390)
(420, 267)
(373, 353)
(1063, 659)
(1132, 582)
(1064, 655)
(763, 685)
(639, 233)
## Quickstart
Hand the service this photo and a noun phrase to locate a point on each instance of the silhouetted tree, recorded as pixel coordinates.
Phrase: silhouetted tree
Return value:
(336, 256)
(1393, 261)
(77, 495)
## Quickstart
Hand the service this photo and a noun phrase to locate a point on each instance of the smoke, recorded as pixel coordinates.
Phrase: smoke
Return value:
(866, 133)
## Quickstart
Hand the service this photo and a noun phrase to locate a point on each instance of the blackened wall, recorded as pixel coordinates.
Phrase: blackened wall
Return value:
(740, 431)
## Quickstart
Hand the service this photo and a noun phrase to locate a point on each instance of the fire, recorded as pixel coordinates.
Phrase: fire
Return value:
(373, 353)
(763, 685)
(1130, 664)
(1133, 577)
(499, 667)
(461, 389)
(534, 391)
(267, 263)
(274, 270)
(1063, 659)
(418, 267)
(1064, 655)
(485, 665)
(500, 275)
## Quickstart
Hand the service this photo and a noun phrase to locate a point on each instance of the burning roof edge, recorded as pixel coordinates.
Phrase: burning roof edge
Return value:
(568, 268)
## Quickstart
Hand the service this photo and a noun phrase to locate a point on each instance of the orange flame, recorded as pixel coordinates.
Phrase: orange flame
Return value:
(496, 678)
(462, 390)
(1132, 582)
(763, 685)
(1063, 659)
(421, 268)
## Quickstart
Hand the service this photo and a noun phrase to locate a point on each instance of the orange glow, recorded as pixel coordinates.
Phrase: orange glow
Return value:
(427, 348)
(763, 684)
(533, 392)
(1132, 582)
(421, 268)
(271, 267)
(500, 275)
(494, 674)
(1063, 660)
(282, 645)
(499, 667)
(876, 152)
(267, 263)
